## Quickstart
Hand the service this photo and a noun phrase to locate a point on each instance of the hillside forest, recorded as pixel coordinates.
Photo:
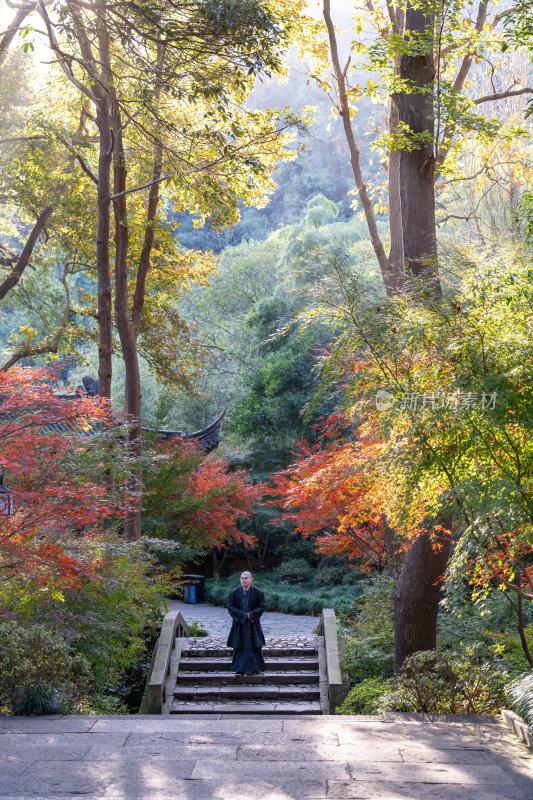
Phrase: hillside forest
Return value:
(313, 224)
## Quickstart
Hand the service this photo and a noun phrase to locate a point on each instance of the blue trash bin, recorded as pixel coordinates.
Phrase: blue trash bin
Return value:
(193, 588)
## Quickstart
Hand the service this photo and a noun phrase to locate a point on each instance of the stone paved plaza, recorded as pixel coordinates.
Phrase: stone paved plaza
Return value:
(226, 758)
(217, 621)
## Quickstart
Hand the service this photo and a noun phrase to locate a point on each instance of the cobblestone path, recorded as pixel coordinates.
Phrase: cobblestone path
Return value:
(214, 642)
(402, 757)
(217, 621)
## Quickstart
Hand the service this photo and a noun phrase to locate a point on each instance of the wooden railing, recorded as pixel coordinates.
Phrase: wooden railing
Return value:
(154, 695)
(336, 686)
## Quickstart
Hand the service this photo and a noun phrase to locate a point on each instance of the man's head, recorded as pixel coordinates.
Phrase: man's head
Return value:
(246, 580)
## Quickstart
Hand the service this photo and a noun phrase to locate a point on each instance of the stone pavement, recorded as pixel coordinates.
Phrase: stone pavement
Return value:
(217, 621)
(219, 642)
(402, 757)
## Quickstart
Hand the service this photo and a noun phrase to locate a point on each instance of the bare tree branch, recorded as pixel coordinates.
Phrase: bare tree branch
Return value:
(458, 84)
(13, 28)
(384, 263)
(83, 164)
(61, 56)
(501, 95)
(24, 258)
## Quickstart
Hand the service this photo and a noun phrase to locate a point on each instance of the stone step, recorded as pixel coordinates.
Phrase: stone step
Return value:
(268, 652)
(196, 664)
(247, 692)
(224, 678)
(289, 708)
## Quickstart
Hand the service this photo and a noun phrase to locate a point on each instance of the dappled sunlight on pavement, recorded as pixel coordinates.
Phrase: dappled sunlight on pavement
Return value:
(298, 758)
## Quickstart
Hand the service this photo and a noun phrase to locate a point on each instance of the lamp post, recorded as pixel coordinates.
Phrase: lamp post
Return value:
(6, 499)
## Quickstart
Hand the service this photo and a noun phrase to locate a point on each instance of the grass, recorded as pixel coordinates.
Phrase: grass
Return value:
(298, 598)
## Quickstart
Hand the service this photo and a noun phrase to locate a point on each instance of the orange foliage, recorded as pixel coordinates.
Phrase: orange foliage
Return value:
(51, 449)
(329, 494)
(198, 499)
(227, 497)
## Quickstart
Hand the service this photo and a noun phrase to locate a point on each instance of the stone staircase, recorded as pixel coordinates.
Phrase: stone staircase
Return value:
(290, 684)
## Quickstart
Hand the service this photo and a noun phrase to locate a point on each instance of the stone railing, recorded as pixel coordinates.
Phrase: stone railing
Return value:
(155, 690)
(336, 687)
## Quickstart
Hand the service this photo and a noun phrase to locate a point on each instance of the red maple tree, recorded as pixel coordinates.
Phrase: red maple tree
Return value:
(328, 494)
(199, 499)
(60, 457)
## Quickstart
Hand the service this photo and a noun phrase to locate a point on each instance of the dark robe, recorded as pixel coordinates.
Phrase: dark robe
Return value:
(246, 636)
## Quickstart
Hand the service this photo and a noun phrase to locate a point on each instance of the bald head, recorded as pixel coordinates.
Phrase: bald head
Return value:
(246, 580)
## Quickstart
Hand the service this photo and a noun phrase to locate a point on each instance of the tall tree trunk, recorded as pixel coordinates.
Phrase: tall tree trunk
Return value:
(395, 205)
(418, 589)
(129, 325)
(417, 163)
(105, 338)
(418, 593)
(132, 398)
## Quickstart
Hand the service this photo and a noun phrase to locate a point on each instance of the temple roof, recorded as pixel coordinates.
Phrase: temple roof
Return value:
(208, 438)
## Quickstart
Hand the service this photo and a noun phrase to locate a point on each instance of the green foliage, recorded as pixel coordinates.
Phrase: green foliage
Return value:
(365, 697)
(335, 576)
(300, 598)
(264, 362)
(95, 638)
(526, 214)
(295, 566)
(197, 629)
(273, 397)
(368, 627)
(478, 649)
(484, 624)
(320, 211)
(301, 548)
(112, 616)
(38, 699)
(101, 703)
(37, 666)
(519, 694)
(450, 683)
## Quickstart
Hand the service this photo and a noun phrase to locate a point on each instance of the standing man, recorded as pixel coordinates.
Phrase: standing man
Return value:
(246, 603)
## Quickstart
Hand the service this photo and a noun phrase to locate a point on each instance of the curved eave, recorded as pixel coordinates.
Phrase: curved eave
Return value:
(208, 438)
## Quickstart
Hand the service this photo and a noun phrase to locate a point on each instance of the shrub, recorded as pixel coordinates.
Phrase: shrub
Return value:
(38, 699)
(370, 656)
(369, 629)
(197, 629)
(303, 549)
(449, 683)
(519, 694)
(295, 566)
(334, 576)
(365, 697)
(108, 625)
(38, 668)
(97, 703)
